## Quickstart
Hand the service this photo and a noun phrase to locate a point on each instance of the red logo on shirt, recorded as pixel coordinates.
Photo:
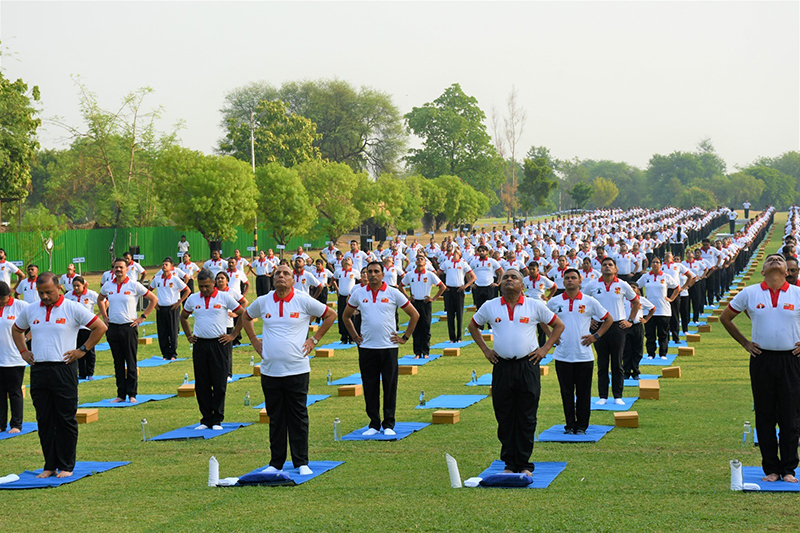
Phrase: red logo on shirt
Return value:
(197, 307)
(616, 290)
(269, 315)
(365, 300)
(11, 317)
(61, 320)
(294, 315)
(36, 321)
(217, 306)
(524, 320)
(127, 293)
(760, 306)
(788, 307)
(581, 308)
(384, 300)
(497, 319)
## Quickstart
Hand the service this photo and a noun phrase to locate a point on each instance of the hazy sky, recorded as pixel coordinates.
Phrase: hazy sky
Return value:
(599, 80)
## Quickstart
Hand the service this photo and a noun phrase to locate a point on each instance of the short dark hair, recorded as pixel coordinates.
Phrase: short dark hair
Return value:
(578, 272)
(168, 259)
(222, 273)
(204, 275)
(118, 259)
(5, 290)
(47, 277)
(79, 279)
(608, 258)
(380, 265)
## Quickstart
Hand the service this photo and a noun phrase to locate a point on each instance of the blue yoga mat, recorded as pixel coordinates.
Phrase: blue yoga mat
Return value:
(143, 398)
(403, 430)
(673, 344)
(611, 406)
(27, 427)
(311, 399)
(755, 436)
(102, 347)
(189, 432)
(408, 360)
(646, 361)
(236, 377)
(630, 382)
(439, 313)
(543, 473)
(556, 434)
(485, 379)
(753, 474)
(702, 323)
(318, 467)
(452, 401)
(353, 379)
(448, 344)
(28, 479)
(146, 323)
(94, 378)
(546, 359)
(156, 361)
(337, 346)
(434, 320)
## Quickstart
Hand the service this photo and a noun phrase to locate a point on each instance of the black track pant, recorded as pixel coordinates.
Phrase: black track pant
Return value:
(575, 381)
(376, 366)
(515, 397)
(285, 399)
(54, 391)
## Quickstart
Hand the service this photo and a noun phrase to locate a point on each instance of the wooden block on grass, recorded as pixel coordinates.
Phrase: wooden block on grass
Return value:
(256, 370)
(671, 372)
(718, 311)
(705, 328)
(263, 417)
(693, 337)
(713, 318)
(685, 350)
(490, 390)
(146, 341)
(451, 352)
(626, 419)
(87, 416)
(649, 389)
(544, 370)
(186, 390)
(23, 391)
(446, 417)
(313, 328)
(471, 308)
(488, 337)
(138, 371)
(407, 370)
(351, 390)
(324, 352)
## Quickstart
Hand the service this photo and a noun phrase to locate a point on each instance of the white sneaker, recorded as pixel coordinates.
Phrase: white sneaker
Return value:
(201, 427)
(305, 470)
(216, 427)
(370, 432)
(270, 470)
(601, 401)
(230, 379)
(618, 401)
(389, 432)
(664, 357)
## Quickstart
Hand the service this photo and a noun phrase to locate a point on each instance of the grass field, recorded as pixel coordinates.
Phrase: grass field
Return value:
(669, 474)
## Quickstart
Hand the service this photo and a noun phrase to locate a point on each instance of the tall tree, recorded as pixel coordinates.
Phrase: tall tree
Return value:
(283, 203)
(537, 183)
(580, 193)
(779, 189)
(513, 128)
(455, 141)
(604, 193)
(37, 233)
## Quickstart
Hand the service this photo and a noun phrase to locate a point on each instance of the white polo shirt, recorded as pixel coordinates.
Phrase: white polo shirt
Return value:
(420, 283)
(107, 276)
(87, 298)
(183, 246)
(588, 277)
(137, 270)
(330, 254)
(514, 325)
(263, 267)
(775, 314)
(611, 296)
(455, 272)
(577, 317)
(54, 328)
(168, 289)
(377, 310)
(66, 280)
(557, 275)
(215, 267)
(484, 270)
(241, 263)
(122, 298)
(235, 277)
(27, 289)
(324, 276)
(535, 288)
(189, 269)
(657, 287)
(644, 309)
(210, 314)
(303, 282)
(9, 355)
(710, 256)
(626, 263)
(359, 259)
(7, 270)
(285, 330)
(346, 280)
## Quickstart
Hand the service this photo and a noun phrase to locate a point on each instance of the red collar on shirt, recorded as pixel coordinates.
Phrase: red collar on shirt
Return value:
(773, 293)
(50, 307)
(281, 301)
(75, 294)
(608, 285)
(213, 295)
(656, 274)
(375, 293)
(511, 307)
(32, 281)
(119, 285)
(168, 276)
(538, 277)
(10, 302)
(579, 296)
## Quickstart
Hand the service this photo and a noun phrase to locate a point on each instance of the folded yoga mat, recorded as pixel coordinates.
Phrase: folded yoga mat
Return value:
(94, 378)
(337, 346)
(318, 467)
(408, 360)
(485, 379)
(353, 379)
(658, 361)
(28, 479)
(403, 430)
(449, 344)
(673, 344)
(156, 361)
(311, 399)
(189, 432)
(27, 427)
(611, 406)
(753, 474)
(556, 434)
(236, 377)
(543, 473)
(143, 398)
(630, 382)
(452, 401)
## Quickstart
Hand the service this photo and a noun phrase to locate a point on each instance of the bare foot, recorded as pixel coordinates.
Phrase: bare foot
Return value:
(46, 473)
(426, 356)
(133, 399)
(63, 473)
(771, 478)
(507, 471)
(789, 478)
(13, 430)
(526, 473)
(117, 400)
(416, 357)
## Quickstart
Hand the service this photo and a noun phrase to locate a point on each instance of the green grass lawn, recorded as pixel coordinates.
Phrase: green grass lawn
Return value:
(671, 473)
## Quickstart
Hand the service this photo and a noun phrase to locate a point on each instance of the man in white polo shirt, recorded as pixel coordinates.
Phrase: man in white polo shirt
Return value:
(774, 309)
(190, 269)
(304, 280)
(516, 354)
(344, 281)
(135, 270)
(27, 287)
(216, 264)
(7, 269)
(458, 276)
(65, 281)
(421, 281)
(377, 344)
(329, 255)
(285, 368)
(12, 366)
(54, 324)
(122, 294)
(358, 257)
(262, 270)
(236, 276)
(210, 343)
(573, 355)
(485, 269)
(183, 246)
(172, 292)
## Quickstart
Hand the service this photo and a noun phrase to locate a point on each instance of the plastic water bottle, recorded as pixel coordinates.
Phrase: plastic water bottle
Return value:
(145, 430)
(252, 360)
(336, 423)
(186, 378)
(474, 377)
(329, 377)
(247, 398)
(422, 397)
(746, 432)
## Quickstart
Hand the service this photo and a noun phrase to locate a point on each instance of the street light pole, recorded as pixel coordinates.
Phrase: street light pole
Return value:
(253, 162)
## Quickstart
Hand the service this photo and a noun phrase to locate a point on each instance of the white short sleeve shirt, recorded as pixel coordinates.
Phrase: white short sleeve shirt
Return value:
(514, 324)
(577, 317)
(122, 298)
(377, 310)
(775, 314)
(54, 328)
(9, 355)
(210, 314)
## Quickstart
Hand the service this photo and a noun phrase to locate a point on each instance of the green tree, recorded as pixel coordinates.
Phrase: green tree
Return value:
(455, 142)
(630, 181)
(283, 203)
(744, 187)
(278, 136)
(18, 125)
(581, 193)
(37, 233)
(779, 189)
(604, 193)
(536, 184)
(695, 196)
(210, 194)
(410, 217)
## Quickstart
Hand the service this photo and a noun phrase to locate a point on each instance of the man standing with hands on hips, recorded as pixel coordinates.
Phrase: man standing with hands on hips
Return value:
(516, 354)
(377, 344)
(54, 324)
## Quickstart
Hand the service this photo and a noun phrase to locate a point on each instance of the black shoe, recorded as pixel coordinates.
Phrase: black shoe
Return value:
(569, 431)
(580, 432)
